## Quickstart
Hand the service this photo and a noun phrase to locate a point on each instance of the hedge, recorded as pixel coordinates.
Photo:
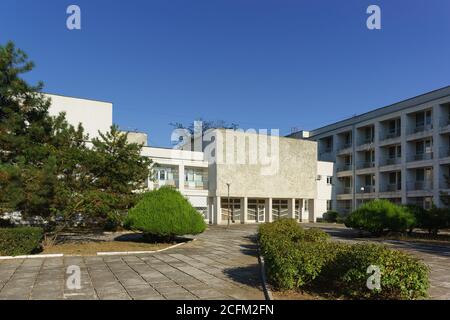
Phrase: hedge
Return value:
(20, 240)
(165, 213)
(298, 259)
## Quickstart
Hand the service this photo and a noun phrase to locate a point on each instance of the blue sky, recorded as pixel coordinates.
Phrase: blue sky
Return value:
(259, 63)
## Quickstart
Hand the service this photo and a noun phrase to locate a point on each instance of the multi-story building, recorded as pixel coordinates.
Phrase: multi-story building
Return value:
(400, 152)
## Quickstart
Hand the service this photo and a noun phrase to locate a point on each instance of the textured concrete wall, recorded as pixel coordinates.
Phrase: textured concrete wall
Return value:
(290, 173)
(137, 137)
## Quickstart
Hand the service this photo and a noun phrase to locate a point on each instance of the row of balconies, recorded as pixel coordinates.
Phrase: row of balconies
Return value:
(444, 122)
(190, 185)
(443, 153)
(423, 185)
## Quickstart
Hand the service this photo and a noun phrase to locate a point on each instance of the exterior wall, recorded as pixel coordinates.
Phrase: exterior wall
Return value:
(137, 137)
(94, 115)
(294, 178)
(325, 190)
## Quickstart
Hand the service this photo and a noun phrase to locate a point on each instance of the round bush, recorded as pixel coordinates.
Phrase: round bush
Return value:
(402, 276)
(330, 216)
(165, 213)
(381, 215)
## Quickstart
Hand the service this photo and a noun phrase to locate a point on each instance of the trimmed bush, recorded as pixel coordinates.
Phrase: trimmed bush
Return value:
(378, 216)
(20, 240)
(330, 216)
(297, 259)
(402, 276)
(165, 213)
(294, 256)
(432, 220)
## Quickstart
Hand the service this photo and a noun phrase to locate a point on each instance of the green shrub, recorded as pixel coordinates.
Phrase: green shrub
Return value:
(381, 215)
(165, 213)
(20, 240)
(402, 276)
(296, 259)
(294, 256)
(330, 216)
(432, 220)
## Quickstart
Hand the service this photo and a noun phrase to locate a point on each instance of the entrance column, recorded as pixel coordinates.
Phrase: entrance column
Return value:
(269, 210)
(244, 202)
(291, 208)
(217, 218)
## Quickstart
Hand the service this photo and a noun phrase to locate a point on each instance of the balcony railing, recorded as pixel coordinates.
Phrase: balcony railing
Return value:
(391, 161)
(196, 185)
(421, 128)
(421, 156)
(444, 152)
(345, 167)
(345, 190)
(366, 140)
(444, 122)
(393, 187)
(366, 189)
(344, 146)
(365, 164)
(420, 185)
(170, 183)
(391, 135)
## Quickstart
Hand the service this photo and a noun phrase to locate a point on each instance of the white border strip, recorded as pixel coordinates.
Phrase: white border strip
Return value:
(140, 252)
(56, 255)
(59, 255)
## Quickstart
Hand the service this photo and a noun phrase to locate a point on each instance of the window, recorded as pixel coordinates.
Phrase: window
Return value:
(305, 205)
(329, 205)
(420, 174)
(329, 180)
(279, 209)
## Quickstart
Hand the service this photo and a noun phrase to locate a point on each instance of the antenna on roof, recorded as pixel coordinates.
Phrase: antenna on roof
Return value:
(294, 129)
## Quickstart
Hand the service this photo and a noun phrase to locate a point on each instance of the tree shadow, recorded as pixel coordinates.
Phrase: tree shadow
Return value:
(248, 275)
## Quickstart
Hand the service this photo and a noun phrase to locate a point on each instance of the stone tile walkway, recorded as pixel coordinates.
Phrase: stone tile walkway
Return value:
(435, 256)
(221, 264)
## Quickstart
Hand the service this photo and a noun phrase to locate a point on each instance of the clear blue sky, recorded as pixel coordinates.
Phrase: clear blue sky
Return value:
(260, 63)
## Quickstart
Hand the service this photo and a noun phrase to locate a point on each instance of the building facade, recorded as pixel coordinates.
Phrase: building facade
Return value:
(400, 152)
(239, 184)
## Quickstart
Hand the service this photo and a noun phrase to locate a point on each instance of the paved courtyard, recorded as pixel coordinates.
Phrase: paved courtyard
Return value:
(221, 264)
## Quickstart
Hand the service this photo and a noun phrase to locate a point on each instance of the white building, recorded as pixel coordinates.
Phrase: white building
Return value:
(400, 152)
(300, 186)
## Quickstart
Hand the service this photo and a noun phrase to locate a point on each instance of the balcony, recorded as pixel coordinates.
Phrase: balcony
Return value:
(444, 152)
(196, 185)
(345, 167)
(345, 148)
(391, 161)
(366, 189)
(169, 183)
(391, 135)
(420, 185)
(444, 123)
(344, 190)
(327, 155)
(421, 156)
(365, 164)
(420, 131)
(393, 187)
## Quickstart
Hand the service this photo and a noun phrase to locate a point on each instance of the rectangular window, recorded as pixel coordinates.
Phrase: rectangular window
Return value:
(329, 180)
(329, 206)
